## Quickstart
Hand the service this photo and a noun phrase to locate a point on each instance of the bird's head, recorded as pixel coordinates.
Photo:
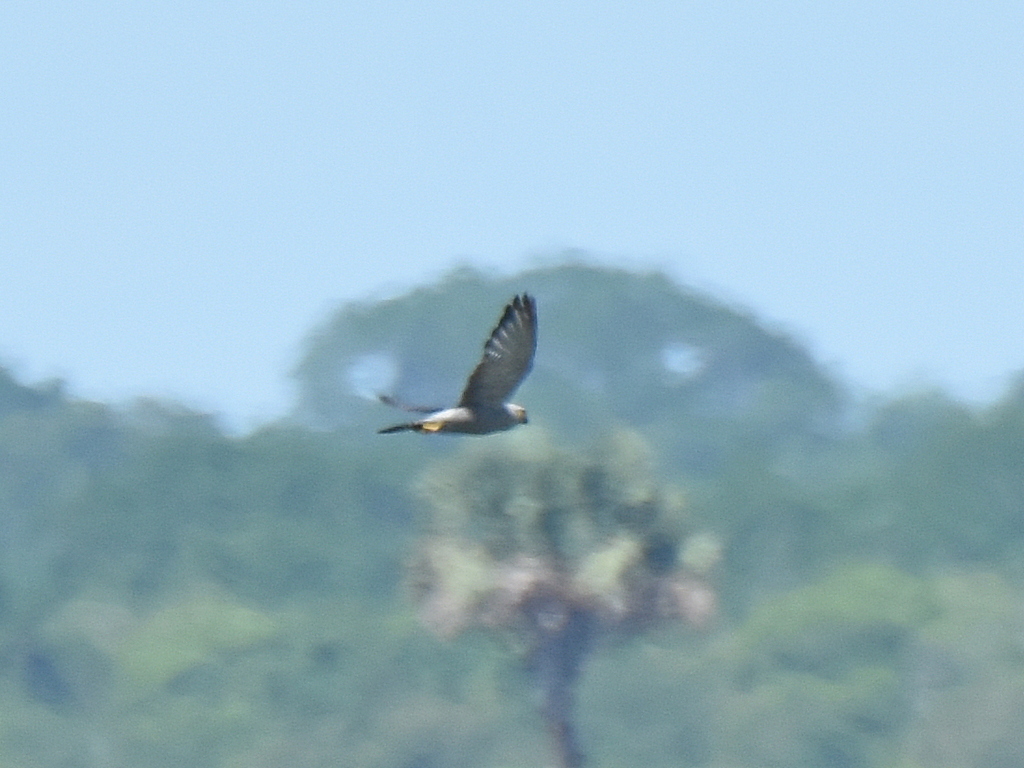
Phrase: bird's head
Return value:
(518, 412)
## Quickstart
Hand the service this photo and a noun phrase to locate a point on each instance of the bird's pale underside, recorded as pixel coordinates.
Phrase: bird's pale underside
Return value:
(483, 407)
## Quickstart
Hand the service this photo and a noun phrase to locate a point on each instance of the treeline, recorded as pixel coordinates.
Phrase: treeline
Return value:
(172, 595)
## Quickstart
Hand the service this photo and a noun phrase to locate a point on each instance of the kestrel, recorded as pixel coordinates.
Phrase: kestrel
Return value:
(508, 357)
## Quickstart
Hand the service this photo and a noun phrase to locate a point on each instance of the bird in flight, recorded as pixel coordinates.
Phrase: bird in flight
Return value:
(483, 407)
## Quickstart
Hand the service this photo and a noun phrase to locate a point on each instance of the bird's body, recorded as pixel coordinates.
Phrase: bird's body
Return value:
(475, 421)
(508, 357)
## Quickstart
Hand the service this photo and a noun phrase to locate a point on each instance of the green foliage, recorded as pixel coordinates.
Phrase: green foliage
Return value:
(50, 450)
(857, 612)
(620, 726)
(969, 675)
(186, 634)
(116, 523)
(520, 526)
(820, 675)
(954, 476)
(520, 493)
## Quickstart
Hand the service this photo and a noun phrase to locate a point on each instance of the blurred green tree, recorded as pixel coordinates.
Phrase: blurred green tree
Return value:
(703, 380)
(551, 547)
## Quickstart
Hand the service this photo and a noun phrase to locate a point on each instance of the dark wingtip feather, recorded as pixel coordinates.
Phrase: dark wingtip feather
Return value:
(521, 303)
(529, 305)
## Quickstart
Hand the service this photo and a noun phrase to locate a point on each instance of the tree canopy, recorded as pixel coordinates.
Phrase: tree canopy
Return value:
(173, 595)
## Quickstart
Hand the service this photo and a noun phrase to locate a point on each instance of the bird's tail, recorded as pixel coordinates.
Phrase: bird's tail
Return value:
(389, 400)
(397, 428)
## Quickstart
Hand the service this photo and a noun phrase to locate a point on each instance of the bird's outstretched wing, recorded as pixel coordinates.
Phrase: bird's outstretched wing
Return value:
(508, 355)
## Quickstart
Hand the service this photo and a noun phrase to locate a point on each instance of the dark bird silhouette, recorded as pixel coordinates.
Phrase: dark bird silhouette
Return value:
(483, 407)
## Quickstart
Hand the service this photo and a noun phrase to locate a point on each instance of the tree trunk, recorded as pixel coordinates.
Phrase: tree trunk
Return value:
(558, 658)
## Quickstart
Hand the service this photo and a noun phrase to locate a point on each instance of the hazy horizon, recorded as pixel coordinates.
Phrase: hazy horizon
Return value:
(189, 190)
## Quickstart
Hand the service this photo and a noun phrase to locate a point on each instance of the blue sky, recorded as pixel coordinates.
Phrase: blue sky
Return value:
(187, 188)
